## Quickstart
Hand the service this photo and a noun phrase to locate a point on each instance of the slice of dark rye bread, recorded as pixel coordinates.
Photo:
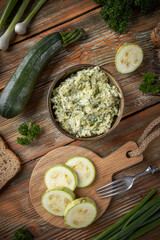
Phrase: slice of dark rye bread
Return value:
(9, 163)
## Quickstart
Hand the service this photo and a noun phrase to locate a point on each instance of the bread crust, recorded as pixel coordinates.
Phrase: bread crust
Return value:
(10, 157)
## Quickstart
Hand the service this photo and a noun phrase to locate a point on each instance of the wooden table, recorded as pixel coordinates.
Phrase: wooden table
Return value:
(99, 47)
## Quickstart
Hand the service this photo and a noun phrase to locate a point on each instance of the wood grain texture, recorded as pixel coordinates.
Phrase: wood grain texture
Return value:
(17, 210)
(99, 48)
(95, 49)
(52, 13)
(105, 168)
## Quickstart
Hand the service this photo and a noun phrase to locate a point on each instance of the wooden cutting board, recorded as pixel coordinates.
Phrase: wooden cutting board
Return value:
(105, 168)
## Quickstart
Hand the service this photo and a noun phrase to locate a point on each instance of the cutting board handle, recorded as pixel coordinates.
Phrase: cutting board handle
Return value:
(105, 168)
(120, 158)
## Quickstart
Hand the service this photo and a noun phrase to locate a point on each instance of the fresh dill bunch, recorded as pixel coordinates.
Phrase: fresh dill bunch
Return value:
(151, 83)
(30, 131)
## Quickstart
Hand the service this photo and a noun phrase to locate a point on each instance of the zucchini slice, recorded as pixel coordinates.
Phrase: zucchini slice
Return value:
(128, 58)
(80, 213)
(61, 176)
(84, 169)
(56, 200)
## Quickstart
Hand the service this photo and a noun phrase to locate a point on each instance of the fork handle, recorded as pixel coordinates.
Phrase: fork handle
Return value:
(155, 168)
(147, 171)
(150, 169)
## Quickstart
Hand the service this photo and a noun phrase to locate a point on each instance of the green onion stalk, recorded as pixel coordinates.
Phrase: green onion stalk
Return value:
(134, 225)
(8, 9)
(5, 38)
(112, 230)
(21, 28)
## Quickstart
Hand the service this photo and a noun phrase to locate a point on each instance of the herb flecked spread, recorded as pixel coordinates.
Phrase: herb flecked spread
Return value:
(86, 104)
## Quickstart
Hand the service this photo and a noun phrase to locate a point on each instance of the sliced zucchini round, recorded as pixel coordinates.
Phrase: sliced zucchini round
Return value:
(80, 213)
(61, 175)
(84, 169)
(56, 200)
(128, 58)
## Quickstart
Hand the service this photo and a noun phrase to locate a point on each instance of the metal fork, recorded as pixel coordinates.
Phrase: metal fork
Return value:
(124, 184)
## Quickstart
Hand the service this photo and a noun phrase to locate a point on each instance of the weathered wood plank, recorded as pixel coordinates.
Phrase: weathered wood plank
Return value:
(52, 13)
(99, 48)
(101, 44)
(49, 137)
(17, 211)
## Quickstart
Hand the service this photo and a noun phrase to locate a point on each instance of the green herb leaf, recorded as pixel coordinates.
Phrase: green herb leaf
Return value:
(30, 131)
(22, 234)
(23, 129)
(23, 141)
(143, 5)
(118, 12)
(100, 1)
(150, 84)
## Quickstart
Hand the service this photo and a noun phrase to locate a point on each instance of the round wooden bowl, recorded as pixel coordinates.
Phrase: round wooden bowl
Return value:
(65, 74)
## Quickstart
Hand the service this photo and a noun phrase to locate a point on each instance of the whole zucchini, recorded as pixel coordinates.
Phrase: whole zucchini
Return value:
(19, 88)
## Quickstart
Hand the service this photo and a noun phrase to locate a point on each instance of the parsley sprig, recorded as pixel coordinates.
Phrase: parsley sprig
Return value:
(151, 83)
(22, 234)
(30, 131)
(118, 12)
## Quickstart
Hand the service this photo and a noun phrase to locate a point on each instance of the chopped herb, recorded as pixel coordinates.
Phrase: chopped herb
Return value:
(91, 98)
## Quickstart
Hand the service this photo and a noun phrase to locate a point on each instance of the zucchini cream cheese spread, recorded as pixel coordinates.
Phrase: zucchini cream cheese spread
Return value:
(86, 104)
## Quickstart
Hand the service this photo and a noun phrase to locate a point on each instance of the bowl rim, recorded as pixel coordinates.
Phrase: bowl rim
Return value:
(73, 69)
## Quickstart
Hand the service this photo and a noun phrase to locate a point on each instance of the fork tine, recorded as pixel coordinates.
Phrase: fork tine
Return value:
(113, 194)
(112, 191)
(110, 187)
(112, 183)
